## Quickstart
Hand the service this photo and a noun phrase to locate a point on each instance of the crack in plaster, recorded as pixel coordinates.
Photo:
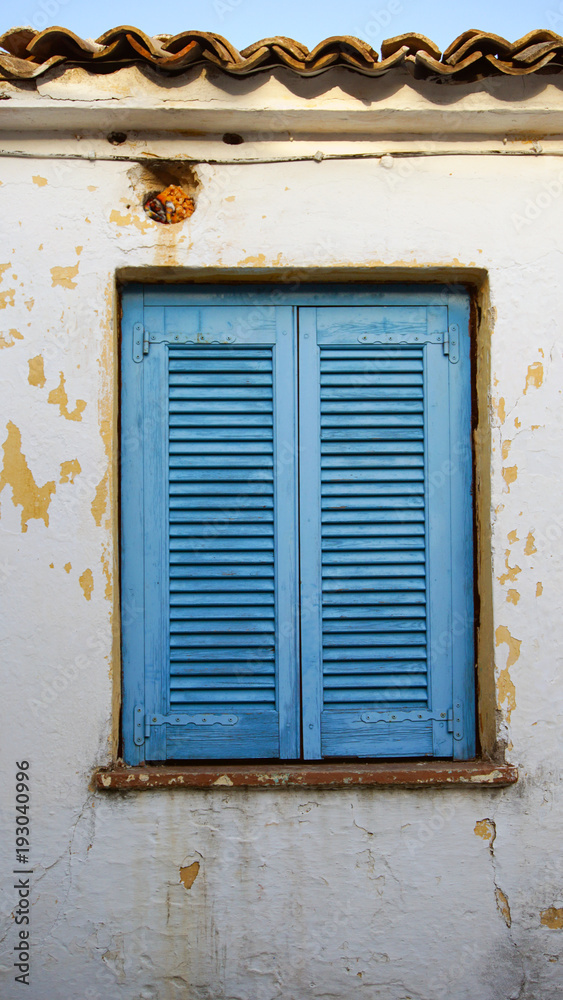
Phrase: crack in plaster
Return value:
(67, 854)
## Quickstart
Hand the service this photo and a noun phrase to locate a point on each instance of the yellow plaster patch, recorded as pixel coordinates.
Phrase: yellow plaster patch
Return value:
(486, 829)
(99, 503)
(79, 250)
(534, 376)
(59, 397)
(86, 581)
(40, 181)
(67, 567)
(33, 499)
(530, 544)
(502, 906)
(513, 597)
(536, 427)
(230, 198)
(64, 276)
(258, 261)
(102, 494)
(512, 536)
(539, 588)
(552, 918)
(8, 339)
(7, 298)
(511, 571)
(500, 408)
(505, 686)
(92, 187)
(69, 470)
(36, 375)
(119, 219)
(189, 874)
(517, 422)
(505, 449)
(3, 267)
(106, 570)
(29, 304)
(510, 474)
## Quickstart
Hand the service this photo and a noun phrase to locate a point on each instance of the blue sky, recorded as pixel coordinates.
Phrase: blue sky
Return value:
(245, 21)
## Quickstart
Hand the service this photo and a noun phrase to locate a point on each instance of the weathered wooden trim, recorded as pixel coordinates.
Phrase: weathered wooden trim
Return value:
(424, 774)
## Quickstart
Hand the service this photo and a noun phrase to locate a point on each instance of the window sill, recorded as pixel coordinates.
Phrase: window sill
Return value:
(423, 774)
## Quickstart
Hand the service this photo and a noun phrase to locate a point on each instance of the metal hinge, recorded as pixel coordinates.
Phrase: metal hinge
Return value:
(140, 342)
(451, 343)
(143, 723)
(455, 721)
(453, 717)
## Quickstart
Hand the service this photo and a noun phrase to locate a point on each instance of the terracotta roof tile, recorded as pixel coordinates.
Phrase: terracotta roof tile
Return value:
(473, 55)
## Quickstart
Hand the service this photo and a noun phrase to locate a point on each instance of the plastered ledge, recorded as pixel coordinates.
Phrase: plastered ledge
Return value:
(385, 775)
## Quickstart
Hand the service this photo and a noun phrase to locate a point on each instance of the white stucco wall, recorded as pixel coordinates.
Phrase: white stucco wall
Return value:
(399, 894)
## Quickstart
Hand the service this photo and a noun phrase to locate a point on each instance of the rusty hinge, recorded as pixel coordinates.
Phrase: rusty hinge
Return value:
(140, 342)
(451, 343)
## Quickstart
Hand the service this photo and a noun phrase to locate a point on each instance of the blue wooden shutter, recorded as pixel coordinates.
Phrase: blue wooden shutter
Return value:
(209, 532)
(386, 532)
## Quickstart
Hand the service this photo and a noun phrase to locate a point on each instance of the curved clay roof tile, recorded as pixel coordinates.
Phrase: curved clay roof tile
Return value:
(472, 56)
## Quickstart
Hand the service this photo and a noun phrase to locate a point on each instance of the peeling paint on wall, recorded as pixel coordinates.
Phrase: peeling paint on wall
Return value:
(502, 906)
(511, 571)
(101, 497)
(64, 276)
(59, 397)
(505, 685)
(7, 298)
(122, 219)
(513, 597)
(106, 570)
(486, 829)
(86, 581)
(500, 408)
(33, 499)
(539, 588)
(530, 544)
(189, 874)
(67, 567)
(552, 918)
(36, 375)
(40, 181)
(534, 376)
(69, 470)
(509, 474)
(8, 339)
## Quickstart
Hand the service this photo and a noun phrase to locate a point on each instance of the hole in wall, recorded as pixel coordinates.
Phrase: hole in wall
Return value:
(167, 190)
(117, 138)
(233, 138)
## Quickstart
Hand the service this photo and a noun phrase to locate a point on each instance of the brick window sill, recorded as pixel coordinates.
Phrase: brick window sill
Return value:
(419, 774)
